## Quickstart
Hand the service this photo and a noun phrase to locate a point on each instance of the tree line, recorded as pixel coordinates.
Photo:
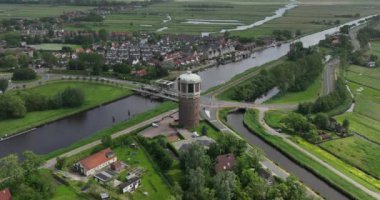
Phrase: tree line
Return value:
(304, 65)
(17, 104)
(328, 102)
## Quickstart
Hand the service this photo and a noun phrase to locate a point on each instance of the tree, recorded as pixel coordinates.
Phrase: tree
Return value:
(31, 162)
(61, 163)
(72, 97)
(11, 106)
(346, 124)
(195, 157)
(224, 184)
(49, 58)
(91, 61)
(246, 161)
(107, 141)
(321, 120)
(23, 60)
(297, 122)
(231, 144)
(3, 85)
(204, 130)
(295, 191)
(196, 182)
(103, 34)
(9, 61)
(13, 39)
(253, 184)
(11, 168)
(24, 74)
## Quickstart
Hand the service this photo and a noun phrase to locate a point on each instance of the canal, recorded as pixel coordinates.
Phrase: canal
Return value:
(64, 132)
(235, 120)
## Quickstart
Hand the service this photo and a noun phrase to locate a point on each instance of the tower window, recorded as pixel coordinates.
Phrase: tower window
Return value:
(191, 88)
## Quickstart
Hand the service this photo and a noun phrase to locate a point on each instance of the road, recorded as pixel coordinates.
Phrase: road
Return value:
(329, 76)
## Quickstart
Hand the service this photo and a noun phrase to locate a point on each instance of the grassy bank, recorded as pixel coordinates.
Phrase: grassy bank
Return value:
(95, 94)
(164, 107)
(251, 120)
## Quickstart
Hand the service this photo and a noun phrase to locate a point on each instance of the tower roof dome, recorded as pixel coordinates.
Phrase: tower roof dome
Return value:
(189, 77)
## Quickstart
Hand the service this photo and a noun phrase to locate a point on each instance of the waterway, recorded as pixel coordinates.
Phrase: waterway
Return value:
(212, 77)
(235, 120)
(64, 132)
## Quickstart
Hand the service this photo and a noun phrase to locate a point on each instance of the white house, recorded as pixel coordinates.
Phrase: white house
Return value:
(131, 185)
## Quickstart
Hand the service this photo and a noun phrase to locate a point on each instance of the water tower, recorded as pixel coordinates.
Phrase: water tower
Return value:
(189, 92)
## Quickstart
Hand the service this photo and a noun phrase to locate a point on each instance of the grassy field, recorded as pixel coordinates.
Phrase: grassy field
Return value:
(63, 192)
(251, 120)
(310, 94)
(363, 125)
(53, 46)
(152, 17)
(358, 152)
(35, 10)
(375, 48)
(309, 15)
(273, 118)
(151, 181)
(95, 94)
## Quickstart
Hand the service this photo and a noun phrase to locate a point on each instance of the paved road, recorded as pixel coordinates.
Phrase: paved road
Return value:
(329, 76)
(51, 163)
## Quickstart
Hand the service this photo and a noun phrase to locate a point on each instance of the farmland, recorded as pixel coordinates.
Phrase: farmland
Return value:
(184, 17)
(358, 152)
(312, 16)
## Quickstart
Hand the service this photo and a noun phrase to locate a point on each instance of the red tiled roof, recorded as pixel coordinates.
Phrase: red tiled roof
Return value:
(225, 162)
(5, 194)
(97, 159)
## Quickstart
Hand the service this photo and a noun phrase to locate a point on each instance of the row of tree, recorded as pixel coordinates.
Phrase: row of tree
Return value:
(295, 75)
(328, 102)
(16, 105)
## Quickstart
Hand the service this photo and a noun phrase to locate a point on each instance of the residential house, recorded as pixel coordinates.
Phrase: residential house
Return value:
(184, 145)
(5, 194)
(131, 185)
(225, 162)
(95, 162)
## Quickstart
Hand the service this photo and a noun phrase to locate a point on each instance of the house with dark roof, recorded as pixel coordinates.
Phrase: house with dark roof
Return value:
(225, 162)
(131, 185)
(88, 166)
(5, 194)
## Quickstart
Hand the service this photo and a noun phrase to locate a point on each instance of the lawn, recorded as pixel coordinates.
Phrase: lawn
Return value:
(63, 192)
(273, 118)
(54, 46)
(95, 94)
(152, 182)
(35, 10)
(310, 94)
(251, 120)
(358, 152)
(211, 131)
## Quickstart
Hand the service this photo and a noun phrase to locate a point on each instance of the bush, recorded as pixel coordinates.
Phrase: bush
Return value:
(3, 85)
(34, 102)
(24, 74)
(11, 106)
(72, 97)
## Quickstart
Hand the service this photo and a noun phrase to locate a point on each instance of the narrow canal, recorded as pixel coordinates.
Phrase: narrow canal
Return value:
(64, 132)
(235, 120)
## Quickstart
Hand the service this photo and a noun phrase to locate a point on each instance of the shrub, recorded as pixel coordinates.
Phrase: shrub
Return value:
(24, 74)
(72, 97)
